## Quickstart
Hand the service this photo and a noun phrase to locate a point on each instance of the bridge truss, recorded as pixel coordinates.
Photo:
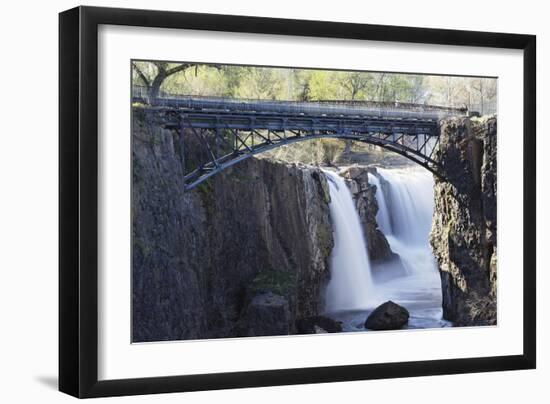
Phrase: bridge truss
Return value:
(227, 136)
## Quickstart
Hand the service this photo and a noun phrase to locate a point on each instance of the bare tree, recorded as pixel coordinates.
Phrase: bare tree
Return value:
(380, 92)
(163, 71)
(486, 90)
(479, 87)
(417, 91)
(354, 83)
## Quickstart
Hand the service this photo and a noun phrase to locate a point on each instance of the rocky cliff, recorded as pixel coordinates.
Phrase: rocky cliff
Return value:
(364, 195)
(248, 244)
(463, 233)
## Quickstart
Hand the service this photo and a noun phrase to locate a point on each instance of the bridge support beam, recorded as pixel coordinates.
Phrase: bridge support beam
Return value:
(223, 139)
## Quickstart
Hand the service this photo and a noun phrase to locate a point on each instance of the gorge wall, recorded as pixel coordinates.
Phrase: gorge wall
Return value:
(463, 234)
(245, 253)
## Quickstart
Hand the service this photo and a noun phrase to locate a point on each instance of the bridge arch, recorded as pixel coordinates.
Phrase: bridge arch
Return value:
(219, 164)
(228, 132)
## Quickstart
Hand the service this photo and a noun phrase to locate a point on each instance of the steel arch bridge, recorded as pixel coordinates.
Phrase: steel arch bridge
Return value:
(226, 132)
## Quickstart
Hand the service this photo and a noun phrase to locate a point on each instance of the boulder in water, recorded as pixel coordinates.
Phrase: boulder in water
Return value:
(387, 316)
(313, 325)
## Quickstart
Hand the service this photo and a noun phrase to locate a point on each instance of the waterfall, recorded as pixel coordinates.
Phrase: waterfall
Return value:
(411, 203)
(405, 212)
(350, 286)
(405, 200)
(405, 208)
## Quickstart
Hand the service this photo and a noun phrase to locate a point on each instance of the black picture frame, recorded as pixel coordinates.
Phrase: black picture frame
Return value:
(78, 201)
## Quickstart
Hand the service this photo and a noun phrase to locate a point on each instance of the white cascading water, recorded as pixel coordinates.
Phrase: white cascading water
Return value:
(409, 214)
(405, 217)
(350, 286)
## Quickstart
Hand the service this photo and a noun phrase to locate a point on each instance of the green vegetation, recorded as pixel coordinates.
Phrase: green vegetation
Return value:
(157, 78)
(152, 79)
(314, 152)
(333, 151)
(281, 283)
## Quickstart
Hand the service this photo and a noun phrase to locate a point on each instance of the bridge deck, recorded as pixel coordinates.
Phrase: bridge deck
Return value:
(325, 108)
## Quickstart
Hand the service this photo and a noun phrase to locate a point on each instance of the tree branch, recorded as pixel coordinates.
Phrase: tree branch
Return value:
(178, 68)
(141, 75)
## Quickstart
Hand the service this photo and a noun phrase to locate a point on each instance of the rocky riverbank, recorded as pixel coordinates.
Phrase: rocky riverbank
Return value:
(245, 253)
(464, 226)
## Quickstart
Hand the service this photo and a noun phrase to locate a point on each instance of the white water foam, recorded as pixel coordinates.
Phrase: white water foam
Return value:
(350, 286)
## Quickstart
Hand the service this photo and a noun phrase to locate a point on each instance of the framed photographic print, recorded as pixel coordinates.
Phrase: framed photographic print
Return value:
(250, 201)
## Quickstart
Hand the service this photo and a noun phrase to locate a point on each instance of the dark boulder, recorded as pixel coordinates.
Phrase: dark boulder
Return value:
(267, 314)
(387, 316)
(311, 325)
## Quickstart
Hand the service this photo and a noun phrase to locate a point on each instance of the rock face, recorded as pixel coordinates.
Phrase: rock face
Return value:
(267, 314)
(387, 316)
(205, 260)
(463, 234)
(364, 195)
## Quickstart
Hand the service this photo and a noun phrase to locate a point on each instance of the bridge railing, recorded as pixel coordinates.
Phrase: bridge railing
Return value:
(328, 107)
